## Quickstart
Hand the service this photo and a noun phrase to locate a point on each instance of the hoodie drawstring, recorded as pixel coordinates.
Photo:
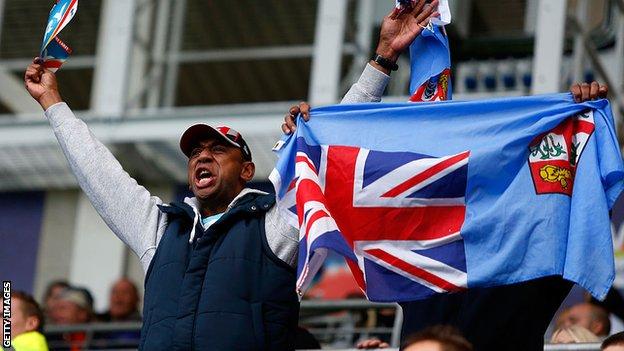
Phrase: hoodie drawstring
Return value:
(195, 221)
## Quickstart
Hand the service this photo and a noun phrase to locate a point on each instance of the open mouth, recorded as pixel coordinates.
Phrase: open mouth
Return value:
(203, 178)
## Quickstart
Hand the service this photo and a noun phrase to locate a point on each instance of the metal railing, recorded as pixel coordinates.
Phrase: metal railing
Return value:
(94, 335)
(316, 327)
(316, 315)
(577, 347)
(117, 336)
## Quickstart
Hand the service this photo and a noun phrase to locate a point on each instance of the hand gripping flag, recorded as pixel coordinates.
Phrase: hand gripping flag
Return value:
(433, 198)
(430, 60)
(54, 51)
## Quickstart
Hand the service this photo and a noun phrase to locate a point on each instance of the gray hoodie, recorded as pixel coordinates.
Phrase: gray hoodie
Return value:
(130, 210)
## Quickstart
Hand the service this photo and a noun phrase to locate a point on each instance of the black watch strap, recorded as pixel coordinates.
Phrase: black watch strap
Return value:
(385, 63)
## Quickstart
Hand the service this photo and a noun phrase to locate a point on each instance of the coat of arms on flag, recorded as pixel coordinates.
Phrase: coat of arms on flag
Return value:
(553, 156)
(435, 88)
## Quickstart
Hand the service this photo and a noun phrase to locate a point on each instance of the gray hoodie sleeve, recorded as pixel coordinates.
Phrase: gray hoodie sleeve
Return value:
(283, 238)
(126, 207)
(368, 88)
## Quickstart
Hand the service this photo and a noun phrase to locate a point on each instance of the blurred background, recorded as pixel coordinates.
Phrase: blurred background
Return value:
(143, 70)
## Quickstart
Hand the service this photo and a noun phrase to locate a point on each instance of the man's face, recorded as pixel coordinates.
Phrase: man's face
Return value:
(217, 172)
(54, 294)
(615, 348)
(70, 313)
(123, 299)
(51, 302)
(577, 315)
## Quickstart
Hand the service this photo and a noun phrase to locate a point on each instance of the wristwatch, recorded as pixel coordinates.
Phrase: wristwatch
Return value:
(384, 62)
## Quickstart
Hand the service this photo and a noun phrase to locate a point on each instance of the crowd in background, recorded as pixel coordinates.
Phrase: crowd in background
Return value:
(67, 305)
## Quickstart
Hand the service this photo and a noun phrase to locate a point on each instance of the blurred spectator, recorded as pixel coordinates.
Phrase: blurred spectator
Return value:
(123, 303)
(26, 323)
(375, 318)
(614, 304)
(438, 338)
(75, 306)
(613, 343)
(123, 307)
(50, 298)
(572, 335)
(589, 316)
(372, 344)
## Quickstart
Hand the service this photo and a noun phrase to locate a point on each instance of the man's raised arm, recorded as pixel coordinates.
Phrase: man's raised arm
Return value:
(398, 31)
(126, 207)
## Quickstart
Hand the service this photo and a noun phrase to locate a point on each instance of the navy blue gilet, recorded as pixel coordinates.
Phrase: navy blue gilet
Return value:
(226, 291)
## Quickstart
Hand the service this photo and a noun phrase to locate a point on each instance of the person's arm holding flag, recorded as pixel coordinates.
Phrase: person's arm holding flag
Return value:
(398, 31)
(127, 207)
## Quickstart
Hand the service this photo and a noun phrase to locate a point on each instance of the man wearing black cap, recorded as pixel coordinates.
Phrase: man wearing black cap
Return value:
(220, 265)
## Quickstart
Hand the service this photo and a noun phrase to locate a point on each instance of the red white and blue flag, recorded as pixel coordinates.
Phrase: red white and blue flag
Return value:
(55, 54)
(365, 190)
(423, 199)
(54, 51)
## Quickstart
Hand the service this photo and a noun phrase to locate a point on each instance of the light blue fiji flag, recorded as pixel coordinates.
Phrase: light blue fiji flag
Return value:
(430, 60)
(423, 199)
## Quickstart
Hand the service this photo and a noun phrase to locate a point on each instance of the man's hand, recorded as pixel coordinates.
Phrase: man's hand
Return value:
(372, 344)
(41, 84)
(290, 120)
(398, 31)
(588, 91)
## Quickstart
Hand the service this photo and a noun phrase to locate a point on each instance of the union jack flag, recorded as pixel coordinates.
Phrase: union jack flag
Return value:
(395, 217)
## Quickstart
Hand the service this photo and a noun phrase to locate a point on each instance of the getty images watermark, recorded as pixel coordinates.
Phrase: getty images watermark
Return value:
(6, 314)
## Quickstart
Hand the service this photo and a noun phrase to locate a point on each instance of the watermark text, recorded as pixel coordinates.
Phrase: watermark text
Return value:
(6, 314)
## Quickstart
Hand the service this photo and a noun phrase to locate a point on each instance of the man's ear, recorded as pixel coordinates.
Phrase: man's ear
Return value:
(32, 323)
(248, 170)
(595, 327)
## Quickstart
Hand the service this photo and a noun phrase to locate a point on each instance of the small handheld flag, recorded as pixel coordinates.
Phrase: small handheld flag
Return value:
(430, 60)
(55, 54)
(53, 51)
